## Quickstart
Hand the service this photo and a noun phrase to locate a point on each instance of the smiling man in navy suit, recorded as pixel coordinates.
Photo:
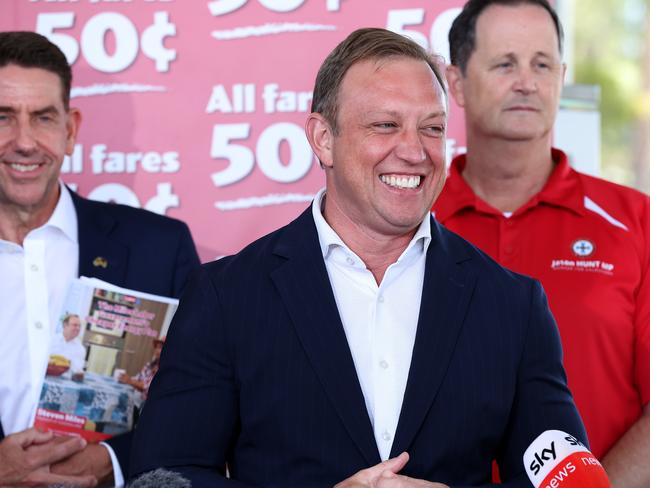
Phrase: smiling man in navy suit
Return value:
(48, 236)
(362, 344)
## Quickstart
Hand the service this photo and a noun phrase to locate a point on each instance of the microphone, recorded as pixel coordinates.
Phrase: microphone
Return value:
(160, 478)
(558, 460)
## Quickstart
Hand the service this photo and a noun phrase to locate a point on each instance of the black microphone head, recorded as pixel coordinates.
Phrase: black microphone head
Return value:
(160, 478)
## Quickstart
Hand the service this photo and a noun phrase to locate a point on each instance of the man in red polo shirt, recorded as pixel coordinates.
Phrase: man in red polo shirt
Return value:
(585, 239)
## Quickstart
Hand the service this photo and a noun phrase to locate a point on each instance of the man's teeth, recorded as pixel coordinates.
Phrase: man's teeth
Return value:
(401, 181)
(24, 167)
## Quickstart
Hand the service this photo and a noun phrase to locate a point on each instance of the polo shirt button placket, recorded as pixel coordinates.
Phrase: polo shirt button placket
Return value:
(508, 239)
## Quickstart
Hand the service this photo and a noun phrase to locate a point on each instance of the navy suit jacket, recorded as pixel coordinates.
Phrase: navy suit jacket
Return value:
(257, 373)
(143, 251)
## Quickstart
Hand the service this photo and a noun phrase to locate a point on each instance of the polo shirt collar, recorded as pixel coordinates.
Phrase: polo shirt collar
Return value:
(563, 189)
(564, 186)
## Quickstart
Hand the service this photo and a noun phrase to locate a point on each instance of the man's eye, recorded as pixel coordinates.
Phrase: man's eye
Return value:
(385, 125)
(436, 129)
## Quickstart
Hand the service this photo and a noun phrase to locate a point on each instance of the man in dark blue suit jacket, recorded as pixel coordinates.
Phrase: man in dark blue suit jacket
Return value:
(263, 374)
(143, 251)
(128, 247)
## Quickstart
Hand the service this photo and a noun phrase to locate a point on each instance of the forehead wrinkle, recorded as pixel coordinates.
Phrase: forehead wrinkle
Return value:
(532, 25)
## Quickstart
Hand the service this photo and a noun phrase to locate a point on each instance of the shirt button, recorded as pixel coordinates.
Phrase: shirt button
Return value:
(509, 249)
(33, 267)
(38, 325)
(386, 436)
(380, 299)
(383, 363)
(350, 261)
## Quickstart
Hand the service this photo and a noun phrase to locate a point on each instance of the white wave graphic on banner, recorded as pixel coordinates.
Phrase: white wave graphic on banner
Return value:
(108, 88)
(264, 201)
(269, 30)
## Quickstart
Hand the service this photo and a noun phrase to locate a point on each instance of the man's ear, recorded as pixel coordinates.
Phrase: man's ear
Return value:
(321, 137)
(73, 121)
(455, 80)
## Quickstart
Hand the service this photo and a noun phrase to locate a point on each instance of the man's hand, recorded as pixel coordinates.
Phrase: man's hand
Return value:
(25, 459)
(384, 475)
(368, 477)
(393, 480)
(93, 460)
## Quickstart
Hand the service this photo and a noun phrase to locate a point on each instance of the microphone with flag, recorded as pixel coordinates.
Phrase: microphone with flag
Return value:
(558, 460)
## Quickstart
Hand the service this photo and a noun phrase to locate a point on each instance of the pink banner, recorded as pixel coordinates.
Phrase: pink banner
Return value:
(195, 108)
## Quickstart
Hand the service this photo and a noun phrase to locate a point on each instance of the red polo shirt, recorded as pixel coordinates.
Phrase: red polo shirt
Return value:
(588, 241)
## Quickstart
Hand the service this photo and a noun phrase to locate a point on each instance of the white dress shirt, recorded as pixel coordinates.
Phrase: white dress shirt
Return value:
(380, 321)
(34, 281)
(72, 350)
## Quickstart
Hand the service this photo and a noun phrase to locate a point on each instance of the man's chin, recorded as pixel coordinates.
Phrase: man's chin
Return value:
(30, 197)
(522, 134)
(400, 225)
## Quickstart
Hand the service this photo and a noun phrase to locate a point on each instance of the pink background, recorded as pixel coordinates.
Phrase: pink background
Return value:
(173, 118)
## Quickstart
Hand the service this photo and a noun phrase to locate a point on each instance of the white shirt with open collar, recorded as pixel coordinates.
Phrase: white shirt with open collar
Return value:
(380, 321)
(34, 281)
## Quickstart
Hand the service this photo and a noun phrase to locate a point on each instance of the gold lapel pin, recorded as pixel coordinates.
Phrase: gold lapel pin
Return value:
(100, 262)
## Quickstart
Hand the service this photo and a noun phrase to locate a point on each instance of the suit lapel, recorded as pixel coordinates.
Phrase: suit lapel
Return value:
(304, 286)
(446, 294)
(99, 255)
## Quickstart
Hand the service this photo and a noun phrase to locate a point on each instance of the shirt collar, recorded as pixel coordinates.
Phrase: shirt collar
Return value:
(563, 189)
(329, 239)
(564, 186)
(64, 216)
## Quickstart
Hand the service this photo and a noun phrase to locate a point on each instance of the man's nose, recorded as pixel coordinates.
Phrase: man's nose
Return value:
(526, 81)
(410, 148)
(25, 139)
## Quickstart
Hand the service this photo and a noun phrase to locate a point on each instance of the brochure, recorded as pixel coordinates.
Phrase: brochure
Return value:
(103, 355)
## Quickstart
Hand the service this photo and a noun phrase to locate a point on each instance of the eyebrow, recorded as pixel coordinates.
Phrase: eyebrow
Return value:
(499, 57)
(439, 113)
(394, 113)
(50, 109)
(513, 56)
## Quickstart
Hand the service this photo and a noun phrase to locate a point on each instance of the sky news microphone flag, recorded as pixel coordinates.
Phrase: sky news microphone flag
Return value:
(558, 460)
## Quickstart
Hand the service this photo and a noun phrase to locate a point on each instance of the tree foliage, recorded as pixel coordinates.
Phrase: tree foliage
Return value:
(610, 48)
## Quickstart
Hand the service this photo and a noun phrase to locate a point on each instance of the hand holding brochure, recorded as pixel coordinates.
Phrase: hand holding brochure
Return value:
(103, 355)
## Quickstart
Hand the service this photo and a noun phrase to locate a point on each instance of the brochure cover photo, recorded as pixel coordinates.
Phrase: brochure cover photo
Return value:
(103, 356)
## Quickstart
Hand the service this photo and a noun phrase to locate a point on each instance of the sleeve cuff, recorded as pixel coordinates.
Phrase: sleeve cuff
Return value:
(117, 471)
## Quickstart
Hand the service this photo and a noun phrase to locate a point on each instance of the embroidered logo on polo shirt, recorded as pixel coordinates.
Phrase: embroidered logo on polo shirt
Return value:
(583, 248)
(588, 265)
